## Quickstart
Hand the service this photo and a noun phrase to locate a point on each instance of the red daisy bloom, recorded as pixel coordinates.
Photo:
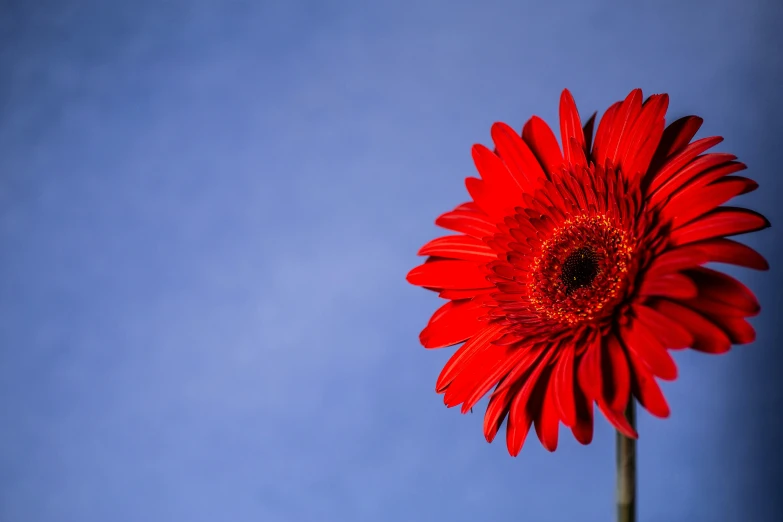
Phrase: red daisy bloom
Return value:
(574, 273)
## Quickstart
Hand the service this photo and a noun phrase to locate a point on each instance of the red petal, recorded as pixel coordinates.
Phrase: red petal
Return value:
(461, 359)
(619, 421)
(453, 323)
(448, 274)
(471, 222)
(697, 173)
(589, 375)
(643, 343)
(677, 259)
(633, 143)
(496, 207)
(564, 390)
(547, 422)
(685, 207)
(708, 308)
(518, 427)
(469, 206)
(730, 320)
(738, 329)
(715, 173)
(670, 332)
(580, 158)
(498, 180)
(545, 352)
(571, 128)
(680, 160)
(624, 119)
(707, 337)
(520, 415)
(543, 143)
(617, 385)
(507, 339)
(672, 285)
(602, 134)
(520, 160)
(725, 289)
(725, 315)
(458, 247)
(641, 163)
(723, 221)
(646, 389)
(675, 138)
(470, 293)
(583, 429)
(722, 250)
(497, 410)
(487, 370)
(576, 189)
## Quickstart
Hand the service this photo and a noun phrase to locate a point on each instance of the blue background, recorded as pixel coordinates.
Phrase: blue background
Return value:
(207, 210)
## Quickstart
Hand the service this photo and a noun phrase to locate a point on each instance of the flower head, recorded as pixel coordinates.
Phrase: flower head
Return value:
(573, 273)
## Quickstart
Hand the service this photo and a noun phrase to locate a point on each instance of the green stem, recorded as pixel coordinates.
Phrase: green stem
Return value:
(626, 471)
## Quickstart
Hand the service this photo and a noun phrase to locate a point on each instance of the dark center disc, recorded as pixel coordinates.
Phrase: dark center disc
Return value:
(579, 269)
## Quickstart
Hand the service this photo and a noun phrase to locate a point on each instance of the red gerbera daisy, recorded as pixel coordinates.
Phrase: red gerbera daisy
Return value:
(574, 273)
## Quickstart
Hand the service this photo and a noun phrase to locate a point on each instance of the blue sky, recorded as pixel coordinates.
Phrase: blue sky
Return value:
(207, 210)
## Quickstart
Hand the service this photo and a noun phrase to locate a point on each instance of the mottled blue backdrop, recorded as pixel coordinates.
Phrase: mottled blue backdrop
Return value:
(207, 210)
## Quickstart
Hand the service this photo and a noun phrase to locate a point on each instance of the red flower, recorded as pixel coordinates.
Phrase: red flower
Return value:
(574, 273)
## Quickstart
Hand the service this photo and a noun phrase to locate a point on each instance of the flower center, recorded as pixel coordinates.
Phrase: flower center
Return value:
(579, 269)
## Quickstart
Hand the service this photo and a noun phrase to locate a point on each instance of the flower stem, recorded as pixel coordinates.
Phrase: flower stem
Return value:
(626, 471)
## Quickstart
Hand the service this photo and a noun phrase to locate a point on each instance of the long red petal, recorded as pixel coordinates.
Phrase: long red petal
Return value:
(489, 201)
(498, 180)
(723, 250)
(448, 274)
(672, 285)
(461, 359)
(707, 336)
(486, 372)
(738, 329)
(723, 221)
(642, 139)
(471, 222)
(454, 322)
(602, 134)
(680, 160)
(725, 289)
(624, 119)
(646, 389)
(588, 373)
(543, 143)
(646, 346)
(466, 248)
(675, 138)
(497, 410)
(547, 422)
(583, 429)
(670, 332)
(697, 173)
(469, 293)
(686, 207)
(571, 128)
(520, 160)
(618, 420)
(564, 390)
(617, 387)
(675, 260)
(520, 415)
